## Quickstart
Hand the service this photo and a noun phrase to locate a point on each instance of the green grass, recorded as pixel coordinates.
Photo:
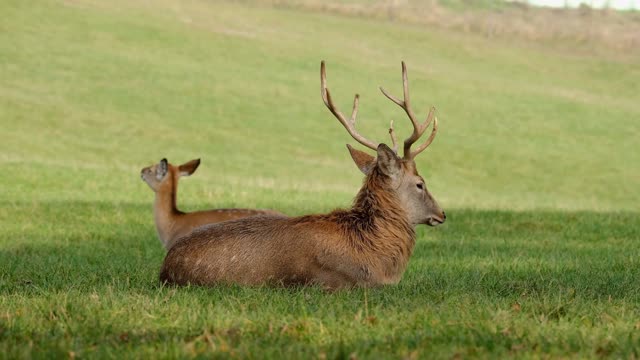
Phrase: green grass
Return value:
(536, 163)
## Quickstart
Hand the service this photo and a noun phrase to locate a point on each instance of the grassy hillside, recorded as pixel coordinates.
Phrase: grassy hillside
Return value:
(536, 163)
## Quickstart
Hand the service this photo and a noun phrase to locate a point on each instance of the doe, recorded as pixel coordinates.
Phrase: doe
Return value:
(171, 223)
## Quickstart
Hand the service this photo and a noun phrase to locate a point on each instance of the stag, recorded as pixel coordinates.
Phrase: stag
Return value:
(367, 245)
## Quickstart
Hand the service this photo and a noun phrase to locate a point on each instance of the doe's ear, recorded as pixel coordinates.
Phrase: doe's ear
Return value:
(163, 168)
(388, 162)
(189, 168)
(364, 161)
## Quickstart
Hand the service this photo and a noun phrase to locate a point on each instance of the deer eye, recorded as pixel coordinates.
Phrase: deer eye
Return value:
(420, 186)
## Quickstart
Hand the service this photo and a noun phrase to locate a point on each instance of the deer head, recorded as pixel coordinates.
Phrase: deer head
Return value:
(165, 174)
(406, 183)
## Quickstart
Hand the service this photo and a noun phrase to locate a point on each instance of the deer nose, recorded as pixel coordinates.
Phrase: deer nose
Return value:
(444, 216)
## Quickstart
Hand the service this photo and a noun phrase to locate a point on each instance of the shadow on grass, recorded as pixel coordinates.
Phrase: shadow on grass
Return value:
(84, 246)
(88, 274)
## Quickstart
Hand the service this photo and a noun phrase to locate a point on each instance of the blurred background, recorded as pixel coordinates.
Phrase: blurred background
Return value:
(538, 105)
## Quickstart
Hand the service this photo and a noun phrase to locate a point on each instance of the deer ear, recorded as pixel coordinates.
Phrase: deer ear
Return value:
(388, 162)
(189, 168)
(364, 161)
(163, 168)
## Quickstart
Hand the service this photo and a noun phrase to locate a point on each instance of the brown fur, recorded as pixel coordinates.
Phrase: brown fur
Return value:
(367, 245)
(172, 223)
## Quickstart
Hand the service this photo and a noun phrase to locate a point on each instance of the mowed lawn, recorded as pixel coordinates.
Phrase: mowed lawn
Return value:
(536, 162)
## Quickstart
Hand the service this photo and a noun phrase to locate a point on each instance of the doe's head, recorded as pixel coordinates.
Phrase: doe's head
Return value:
(164, 174)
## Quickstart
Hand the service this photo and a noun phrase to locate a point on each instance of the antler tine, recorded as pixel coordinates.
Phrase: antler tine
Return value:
(348, 124)
(418, 129)
(429, 140)
(394, 141)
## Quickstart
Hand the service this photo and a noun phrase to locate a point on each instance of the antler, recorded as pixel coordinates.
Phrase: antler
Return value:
(348, 124)
(418, 129)
(394, 141)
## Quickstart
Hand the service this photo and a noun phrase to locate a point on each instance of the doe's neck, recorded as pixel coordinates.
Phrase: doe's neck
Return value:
(165, 211)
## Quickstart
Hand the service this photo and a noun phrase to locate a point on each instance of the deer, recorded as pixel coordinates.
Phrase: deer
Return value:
(173, 224)
(367, 245)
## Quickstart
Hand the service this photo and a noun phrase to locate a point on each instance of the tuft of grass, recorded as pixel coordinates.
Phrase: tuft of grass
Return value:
(534, 162)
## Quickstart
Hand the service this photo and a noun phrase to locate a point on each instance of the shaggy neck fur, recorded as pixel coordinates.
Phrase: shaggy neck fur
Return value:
(377, 219)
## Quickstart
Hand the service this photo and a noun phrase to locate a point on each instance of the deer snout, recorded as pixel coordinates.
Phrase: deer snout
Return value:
(441, 218)
(436, 220)
(144, 172)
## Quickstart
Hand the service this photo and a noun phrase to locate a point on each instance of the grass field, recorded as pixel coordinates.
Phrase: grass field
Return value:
(536, 163)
